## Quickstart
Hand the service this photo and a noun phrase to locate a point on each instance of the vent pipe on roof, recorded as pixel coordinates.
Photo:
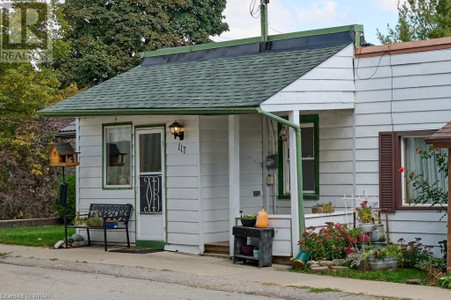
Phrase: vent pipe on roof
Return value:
(264, 41)
(264, 20)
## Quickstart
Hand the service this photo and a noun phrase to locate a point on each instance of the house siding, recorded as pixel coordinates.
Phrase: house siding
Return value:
(214, 172)
(336, 175)
(328, 86)
(400, 92)
(182, 176)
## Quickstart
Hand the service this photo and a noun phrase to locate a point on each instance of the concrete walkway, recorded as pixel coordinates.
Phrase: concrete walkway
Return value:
(223, 268)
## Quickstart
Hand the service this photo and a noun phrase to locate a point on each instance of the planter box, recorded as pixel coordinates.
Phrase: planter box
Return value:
(388, 263)
(317, 210)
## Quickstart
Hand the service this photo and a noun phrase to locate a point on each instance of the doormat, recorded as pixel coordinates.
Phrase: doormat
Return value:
(136, 250)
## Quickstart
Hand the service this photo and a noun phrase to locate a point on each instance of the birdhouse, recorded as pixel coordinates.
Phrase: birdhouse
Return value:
(63, 155)
(116, 157)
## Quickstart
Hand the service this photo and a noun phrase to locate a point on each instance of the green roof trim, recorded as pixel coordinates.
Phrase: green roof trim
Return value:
(277, 37)
(224, 85)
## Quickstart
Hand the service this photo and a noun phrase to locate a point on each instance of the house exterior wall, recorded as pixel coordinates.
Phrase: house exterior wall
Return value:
(197, 182)
(336, 176)
(400, 92)
(214, 174)
(182, 178)
(328, 86)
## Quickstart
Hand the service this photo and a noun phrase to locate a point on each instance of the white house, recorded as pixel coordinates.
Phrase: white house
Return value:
(312, 102)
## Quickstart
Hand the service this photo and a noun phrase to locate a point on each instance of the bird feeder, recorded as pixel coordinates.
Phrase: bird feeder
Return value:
(115, 156)
(63, 155)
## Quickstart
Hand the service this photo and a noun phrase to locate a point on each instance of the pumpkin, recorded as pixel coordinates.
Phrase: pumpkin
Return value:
(262, 219)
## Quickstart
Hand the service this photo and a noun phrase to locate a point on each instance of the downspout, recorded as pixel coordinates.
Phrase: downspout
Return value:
(297, 128)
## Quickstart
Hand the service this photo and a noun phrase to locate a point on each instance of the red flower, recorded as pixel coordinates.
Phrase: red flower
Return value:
(400, 170)
(354, 240)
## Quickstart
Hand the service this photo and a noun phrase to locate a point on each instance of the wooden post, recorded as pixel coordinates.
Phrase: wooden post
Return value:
(448, 247)
(234, 174)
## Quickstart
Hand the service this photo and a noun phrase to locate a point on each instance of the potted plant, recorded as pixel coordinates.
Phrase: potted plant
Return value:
(365, 216)
(328, 208)
(94, 221)
(386, 258)
(317, 209)
(79, 221)
(320, 208)
(248, 220)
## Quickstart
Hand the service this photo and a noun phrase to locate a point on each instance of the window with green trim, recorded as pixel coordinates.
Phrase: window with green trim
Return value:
(310, 160)
(117, 155)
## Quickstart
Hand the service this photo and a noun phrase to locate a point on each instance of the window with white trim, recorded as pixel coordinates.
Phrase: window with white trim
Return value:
(117, 155)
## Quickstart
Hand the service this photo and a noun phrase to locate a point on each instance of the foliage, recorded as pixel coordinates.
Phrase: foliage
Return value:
(430, 192)
(327, 207)
(413, 252)
(94, 221)
(70, 179)
(249, 217)
(419, 20)
(33, 236)
(365, 213)
(391, 250)
(106, 37)
(27, 183)
(444, 282)
(330, 242)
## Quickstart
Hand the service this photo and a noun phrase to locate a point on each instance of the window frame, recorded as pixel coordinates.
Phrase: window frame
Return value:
(116, 187)
(397, 199)
(281, 178)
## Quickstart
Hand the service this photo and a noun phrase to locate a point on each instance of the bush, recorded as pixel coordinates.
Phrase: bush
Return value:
(70, 179)
(330, 242)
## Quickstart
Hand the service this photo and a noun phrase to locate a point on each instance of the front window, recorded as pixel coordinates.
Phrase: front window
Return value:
(424, 179)
(310, 159)
(117, 156)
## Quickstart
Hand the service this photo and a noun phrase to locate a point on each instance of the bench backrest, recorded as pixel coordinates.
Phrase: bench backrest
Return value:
(120, 212)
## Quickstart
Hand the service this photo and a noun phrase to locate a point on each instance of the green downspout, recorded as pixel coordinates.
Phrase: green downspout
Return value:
(297, 128)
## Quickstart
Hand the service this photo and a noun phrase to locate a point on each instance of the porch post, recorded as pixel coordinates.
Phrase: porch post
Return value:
(234, 174)
(293, 117)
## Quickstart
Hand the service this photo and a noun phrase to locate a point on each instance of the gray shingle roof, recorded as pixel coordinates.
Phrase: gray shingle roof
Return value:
(229, 82)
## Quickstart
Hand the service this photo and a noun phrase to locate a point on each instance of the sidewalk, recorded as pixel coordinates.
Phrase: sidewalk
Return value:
(223, 268)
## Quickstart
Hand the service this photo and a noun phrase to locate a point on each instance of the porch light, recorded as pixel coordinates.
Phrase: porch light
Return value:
(177, 130)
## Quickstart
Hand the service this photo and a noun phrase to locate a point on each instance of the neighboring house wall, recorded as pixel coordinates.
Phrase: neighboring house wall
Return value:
(400, 92)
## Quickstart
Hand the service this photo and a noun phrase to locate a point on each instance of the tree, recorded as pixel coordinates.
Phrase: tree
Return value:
(107, 36)
(419, 20)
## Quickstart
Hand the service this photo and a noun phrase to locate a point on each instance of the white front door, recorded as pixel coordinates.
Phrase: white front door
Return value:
(150, 202)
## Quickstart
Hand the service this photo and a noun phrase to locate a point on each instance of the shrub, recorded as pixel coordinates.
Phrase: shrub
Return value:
(330, 242)
(444, 282)
(70, 179)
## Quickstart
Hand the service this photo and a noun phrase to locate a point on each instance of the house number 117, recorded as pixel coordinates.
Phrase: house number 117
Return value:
(182, 148)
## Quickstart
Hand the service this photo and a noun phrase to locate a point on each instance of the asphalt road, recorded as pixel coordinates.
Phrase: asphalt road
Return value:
(19, 282)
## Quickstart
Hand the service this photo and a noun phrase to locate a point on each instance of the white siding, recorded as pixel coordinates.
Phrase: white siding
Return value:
(328, 86)
(182, 178)
(336, 176)
(214, 176)
(400, 92)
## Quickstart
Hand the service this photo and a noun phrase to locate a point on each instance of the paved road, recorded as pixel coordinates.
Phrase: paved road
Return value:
(57, 284)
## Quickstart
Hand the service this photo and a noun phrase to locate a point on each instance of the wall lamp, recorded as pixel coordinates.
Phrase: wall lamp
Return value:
(177, 130)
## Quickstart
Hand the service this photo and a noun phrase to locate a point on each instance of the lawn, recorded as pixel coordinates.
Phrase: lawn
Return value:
(398, 276)
(33, 236)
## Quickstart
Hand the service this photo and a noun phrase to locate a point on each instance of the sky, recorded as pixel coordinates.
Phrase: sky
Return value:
(299, 15)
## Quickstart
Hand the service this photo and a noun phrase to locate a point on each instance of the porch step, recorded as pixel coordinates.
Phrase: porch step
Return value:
(217, 248)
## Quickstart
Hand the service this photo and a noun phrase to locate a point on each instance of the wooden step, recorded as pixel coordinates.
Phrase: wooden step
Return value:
(217, 247)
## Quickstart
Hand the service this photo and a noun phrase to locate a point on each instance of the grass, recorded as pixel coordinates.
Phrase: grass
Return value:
(398, 276)
(34, 236)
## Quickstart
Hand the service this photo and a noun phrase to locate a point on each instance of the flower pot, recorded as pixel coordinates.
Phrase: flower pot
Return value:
(303, 256)
(248, 222)
(366, 227)
(247, 250)
(377, 234)
(317, 210)
(387, 263)
(255, 253)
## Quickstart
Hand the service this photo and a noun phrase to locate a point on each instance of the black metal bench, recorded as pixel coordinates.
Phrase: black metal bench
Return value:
(119, 212)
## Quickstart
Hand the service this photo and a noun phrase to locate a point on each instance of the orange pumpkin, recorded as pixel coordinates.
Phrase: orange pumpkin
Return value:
(262, 219)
